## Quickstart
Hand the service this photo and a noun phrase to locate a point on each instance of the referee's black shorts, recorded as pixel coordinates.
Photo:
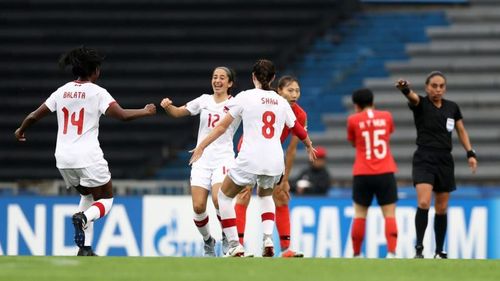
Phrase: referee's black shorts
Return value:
(382, 186)
(435, 167)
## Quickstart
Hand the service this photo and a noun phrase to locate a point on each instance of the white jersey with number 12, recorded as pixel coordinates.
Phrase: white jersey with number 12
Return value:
(211, 113)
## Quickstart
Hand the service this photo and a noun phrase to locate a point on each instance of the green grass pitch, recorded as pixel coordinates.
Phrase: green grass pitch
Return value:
(20, 268)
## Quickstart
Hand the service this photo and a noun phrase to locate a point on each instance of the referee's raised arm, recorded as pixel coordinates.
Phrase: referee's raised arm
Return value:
(404, 87)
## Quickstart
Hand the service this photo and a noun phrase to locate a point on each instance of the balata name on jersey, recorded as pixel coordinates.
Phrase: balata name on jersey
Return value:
(372, 123)
(269, 101)
(74, 95)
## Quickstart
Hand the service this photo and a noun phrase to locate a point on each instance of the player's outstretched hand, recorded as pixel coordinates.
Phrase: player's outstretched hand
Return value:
(402, 84)
(150, 108)
(19, 135)
(311, 151)
(165, 103)
(197, 152)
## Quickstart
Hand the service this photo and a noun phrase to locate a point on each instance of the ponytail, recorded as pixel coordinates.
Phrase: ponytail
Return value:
(264, 70)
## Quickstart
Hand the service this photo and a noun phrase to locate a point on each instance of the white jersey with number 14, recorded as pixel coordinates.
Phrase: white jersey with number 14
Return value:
(78, 105)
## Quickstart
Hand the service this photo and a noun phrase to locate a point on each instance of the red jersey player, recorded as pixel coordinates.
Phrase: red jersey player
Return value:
(288, 87)
(373, 172)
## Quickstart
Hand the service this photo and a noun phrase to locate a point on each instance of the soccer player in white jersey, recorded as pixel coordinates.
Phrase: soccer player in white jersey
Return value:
(209, 172)
(79, 104)
(260, 160)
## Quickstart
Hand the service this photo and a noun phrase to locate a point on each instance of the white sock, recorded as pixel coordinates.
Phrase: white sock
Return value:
(201, 222)
(217, 212)
(99, 209)
(267, 211)
(85, 202)
(89, 233)
(228, 216)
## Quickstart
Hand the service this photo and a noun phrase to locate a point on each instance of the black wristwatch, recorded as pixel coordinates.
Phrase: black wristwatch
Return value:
(406, 91)
(471, 153)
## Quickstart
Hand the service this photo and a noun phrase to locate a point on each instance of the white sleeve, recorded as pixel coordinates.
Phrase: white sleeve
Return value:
(51, 101)
(235, 106)
(105, 100)
(194, 106)
(290, 116)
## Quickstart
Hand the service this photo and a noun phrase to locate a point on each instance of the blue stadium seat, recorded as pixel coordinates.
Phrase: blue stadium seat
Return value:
(358, 48)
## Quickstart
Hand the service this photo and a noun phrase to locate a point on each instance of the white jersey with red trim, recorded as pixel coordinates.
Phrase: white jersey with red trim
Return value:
(211, 112)
(264, 114)
(79, 105)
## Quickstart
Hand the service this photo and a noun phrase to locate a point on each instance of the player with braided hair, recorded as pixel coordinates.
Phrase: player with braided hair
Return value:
(79, 105)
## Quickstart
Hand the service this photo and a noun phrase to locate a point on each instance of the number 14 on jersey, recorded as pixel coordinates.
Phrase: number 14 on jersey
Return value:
(78, 123)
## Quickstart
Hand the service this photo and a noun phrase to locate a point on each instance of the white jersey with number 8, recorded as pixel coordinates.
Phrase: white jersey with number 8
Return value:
(264, 114)
(78, 105)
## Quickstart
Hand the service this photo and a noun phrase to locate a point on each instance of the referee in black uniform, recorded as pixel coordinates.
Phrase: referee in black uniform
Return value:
(433, 165)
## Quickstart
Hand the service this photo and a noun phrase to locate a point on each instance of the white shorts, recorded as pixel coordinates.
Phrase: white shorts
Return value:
(206, 177)
(92, 176)
(243, 178)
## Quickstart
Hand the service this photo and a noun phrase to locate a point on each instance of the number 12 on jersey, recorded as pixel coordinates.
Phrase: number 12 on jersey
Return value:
(379, 149)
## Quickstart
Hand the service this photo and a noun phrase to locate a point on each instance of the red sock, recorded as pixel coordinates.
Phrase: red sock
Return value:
(358, 234)
(391, 234)
(283, 226)
(241, 219)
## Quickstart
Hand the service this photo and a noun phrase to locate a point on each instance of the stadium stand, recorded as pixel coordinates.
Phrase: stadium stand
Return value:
(154, 48)
(466, 51)
(358, 48)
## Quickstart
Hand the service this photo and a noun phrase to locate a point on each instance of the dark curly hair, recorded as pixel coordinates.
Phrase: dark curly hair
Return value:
(85, 61)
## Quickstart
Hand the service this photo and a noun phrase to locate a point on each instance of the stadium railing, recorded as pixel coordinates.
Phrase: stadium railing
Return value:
(120, 187)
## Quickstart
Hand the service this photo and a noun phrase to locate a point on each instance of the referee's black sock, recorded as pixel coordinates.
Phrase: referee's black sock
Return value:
(421, 218)
(440, 226)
